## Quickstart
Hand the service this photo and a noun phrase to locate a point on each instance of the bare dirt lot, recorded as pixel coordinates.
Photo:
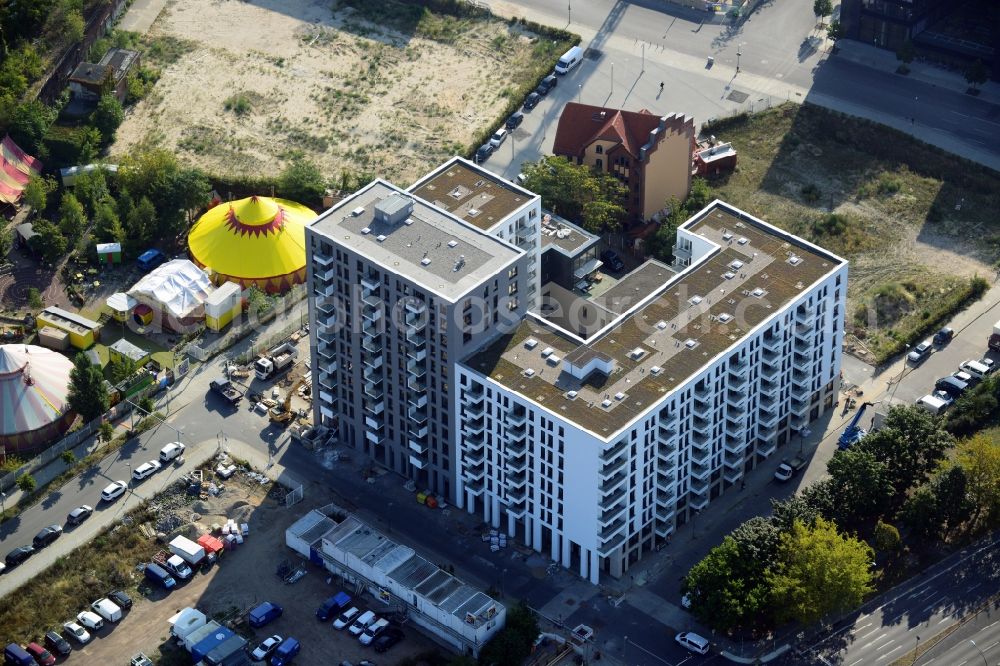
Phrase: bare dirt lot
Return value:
(247, 84)
(242, 579)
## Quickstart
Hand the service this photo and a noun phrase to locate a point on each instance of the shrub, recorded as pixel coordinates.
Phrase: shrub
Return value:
(27, 483)
(238, 104)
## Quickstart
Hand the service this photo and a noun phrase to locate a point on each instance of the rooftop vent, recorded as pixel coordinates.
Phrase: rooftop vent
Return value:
(357, 211)
(366, 230)
(726, 236)
(690, 343)
(459, 264)
(380, 238)
(530, 343)
(425, 261)
(473, 212)
(758, 292)
(605, 403)
(742, 241)
(795, 260)
(529, 372)
(453, 243)
(694, 300)
(553, 360)
(619, 396)
(637, 353)
(729, 275)
(393, 209)
(725, 317)
(547, 351)
(408, 221)
(736, 265)
(655, 370)
(571, 395)
(661, 324)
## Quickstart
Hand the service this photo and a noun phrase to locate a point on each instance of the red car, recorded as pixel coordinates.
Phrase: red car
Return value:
(41, 655)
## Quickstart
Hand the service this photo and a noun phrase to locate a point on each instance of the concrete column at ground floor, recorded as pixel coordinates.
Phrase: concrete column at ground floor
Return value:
(487, 505)
(584, 562)
(495, 513)
(536, 534)
(461, 495)
(566, 548)
(616, 563)
(526, 524)
(595, 567)
(511, 525)
(555, 549)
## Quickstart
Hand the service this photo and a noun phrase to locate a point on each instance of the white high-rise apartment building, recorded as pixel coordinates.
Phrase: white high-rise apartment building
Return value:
(593, 450)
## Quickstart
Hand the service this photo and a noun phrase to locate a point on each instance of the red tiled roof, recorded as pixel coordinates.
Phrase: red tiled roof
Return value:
(582, 124)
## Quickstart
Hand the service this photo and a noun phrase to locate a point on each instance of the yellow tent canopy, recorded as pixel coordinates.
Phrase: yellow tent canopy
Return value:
(253, 241)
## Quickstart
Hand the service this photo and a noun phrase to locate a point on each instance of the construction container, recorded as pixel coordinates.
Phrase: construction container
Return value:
(53, 338)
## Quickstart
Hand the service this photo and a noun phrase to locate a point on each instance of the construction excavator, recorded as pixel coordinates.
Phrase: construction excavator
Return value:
(282, 413)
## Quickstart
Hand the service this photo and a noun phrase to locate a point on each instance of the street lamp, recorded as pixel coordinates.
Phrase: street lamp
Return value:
(980, 651)
(739, 52)
(3, 502)
(579, 92)
(916, 651)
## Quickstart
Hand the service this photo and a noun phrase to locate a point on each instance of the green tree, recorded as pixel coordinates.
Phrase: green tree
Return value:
(302, 181)
(89, 145)
(817, 500)
(27, 483)
(68, 457)
(147, 405)
(911, 443)
(835, 30)
(861, 484)
(48, 242)
(951, 492)
(699, 196)
(120, 368)
(513, 643)
(88, 395)
(886, 538)
(107, 227)
(140, 224)
(920, 515)
(155, 174)
(661, 244)
(107, 117)
(106, 432)
(28, 124)
(822, 9)
(976, 74)
(36, 193)
(906, 53)
(820, 571)
(72, 220)
(190, 189)
(35, 299)
(91, 188)
(577, 192)
(979, 456)
(728, 588)
(6, 243)
(64, 23)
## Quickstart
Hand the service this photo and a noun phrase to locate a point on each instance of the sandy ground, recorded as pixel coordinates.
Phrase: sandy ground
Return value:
(344, 92)
(243, 578)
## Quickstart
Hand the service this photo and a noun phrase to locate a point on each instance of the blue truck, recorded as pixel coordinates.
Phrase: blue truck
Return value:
(203, 647)
(285, 652)
(265, 613)
(333, 606)
(160, 576)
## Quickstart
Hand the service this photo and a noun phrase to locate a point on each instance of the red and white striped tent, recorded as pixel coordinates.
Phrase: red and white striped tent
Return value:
(16, 167)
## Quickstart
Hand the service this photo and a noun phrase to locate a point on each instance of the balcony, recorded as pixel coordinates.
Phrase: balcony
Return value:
(418, 354)
(801, 362)
(418, 416)
(734, 445)
(699, 423)
(612, 499)
(664, 513)
(416, 384)
(614, 482)
(374, 423)
(370, 283)
(475, 392)
(772, 344)
(517, 479)
(667, 433)
(700, 457)
(700, 440)
(700, 472)
(323, 260)
(415, 368)
(371, 345)
(371, 314)
(416, 338)
(736, 399)
(517, 432)
(326, 351)
(517, 447)
(474, 411)
(701, 407)
(767, 418)
(374, 390)
(612, 529)
(374, 407)
(766, 448)
(666, 483)
(616, 450)
(517, 494)
(766, 432)
(372, 361)
(417, 462)
(612, 543)
(698, 501)
(801, 379)
(418, 446)
(474, 488)
(372, 374)
(475, 425)
(328, 380)
(518, 509)
(475, 456)
(732, 475)
(325, 291)
(517, 463)
(418, 431)
(733, 461)
(739, 368)
(517, 418)
(326, 308)
(805, 317)
(418, 402)
(800, 407)
(667, 454)
(416, 306)
(371, 329)
(770, 389)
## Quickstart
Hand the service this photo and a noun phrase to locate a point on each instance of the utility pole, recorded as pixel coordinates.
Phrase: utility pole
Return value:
(643, 70)
(739, 52)
(569, 11)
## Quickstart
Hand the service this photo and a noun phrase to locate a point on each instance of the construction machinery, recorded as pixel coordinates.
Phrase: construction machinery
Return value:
(282, 412)
(853, 432)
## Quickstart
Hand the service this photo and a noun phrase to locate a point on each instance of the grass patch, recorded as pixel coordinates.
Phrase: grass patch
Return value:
(166, 49)
(915, 222)
(239, 104)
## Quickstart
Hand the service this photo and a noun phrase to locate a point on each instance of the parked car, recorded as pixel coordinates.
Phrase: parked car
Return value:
(363, 622)
(389, 637)
(531, 101)
(692, 641)
(41, 655)
(90, 620)
(788, 468)
(920, 353)
(57, 644)
(266, 647)
(484, 153)
(976, 369)
(498, 138)
(107, 609)
(18, 555)
(964, 376)
(373, 631)
(76, 632)
(264, 613)
(150, 259)
(140, 659)
(613, 261)
(46, 536)
(944, 336)
(514, 121)
(113, 491)
(346, 618)
(943, 395)
(15, 655)
(145, 470)
(79, 514)
(171, 451)
(547, 84)
(953, 386)
(120, 598)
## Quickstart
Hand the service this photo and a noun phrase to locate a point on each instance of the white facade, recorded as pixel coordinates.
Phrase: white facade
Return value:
(595, 501)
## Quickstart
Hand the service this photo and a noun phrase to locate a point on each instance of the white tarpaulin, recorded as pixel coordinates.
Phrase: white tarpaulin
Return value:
(120, 302)
(178, 288)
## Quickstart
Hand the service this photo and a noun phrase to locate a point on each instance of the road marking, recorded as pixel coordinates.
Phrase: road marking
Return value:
(874, 641)
(857, 628)
(991, 645)
(933, 603)
(944, 619)
(870, 633)
(898, 647)
(855, 663)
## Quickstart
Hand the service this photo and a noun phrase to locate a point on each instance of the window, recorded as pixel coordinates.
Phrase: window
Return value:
(600, 151)
(512, 273)
(600, 164)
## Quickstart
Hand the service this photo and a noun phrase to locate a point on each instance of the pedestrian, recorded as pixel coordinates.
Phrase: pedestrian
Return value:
(743, 484)
(661, 86)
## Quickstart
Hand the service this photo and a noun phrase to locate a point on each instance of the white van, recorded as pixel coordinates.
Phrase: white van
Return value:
(975, 368)
(932, 404)
(692, 641)
(569, 60)
(107, 609)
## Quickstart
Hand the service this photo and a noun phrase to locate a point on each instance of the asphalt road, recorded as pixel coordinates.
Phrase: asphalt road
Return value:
(975, 642)
(640, 43)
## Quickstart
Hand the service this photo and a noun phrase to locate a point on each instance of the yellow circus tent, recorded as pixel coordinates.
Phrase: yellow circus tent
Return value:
(254, 241)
